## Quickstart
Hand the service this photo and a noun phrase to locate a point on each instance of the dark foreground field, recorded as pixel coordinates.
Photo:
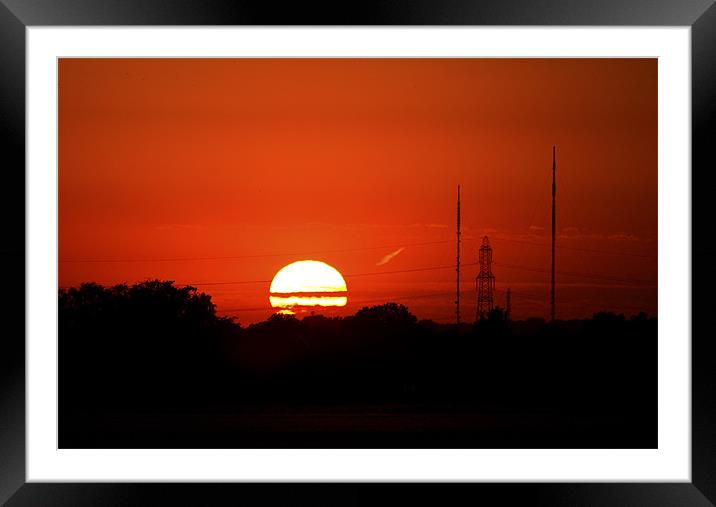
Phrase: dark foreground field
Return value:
(359, 426)
(151, 366)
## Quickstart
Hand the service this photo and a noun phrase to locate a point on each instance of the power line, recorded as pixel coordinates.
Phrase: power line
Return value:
(579, 275)
(528, 296)
(537, 298)
(351, 275)
(253, 256)
(433, 268)
(345, 250)
(590, 250)
(362, 301)
(468, 292)
(355, 302)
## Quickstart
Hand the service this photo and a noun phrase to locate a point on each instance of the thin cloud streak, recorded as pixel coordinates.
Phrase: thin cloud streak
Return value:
(389, 257)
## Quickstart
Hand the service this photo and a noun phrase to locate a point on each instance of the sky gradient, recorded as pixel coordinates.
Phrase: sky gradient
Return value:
(216, 171)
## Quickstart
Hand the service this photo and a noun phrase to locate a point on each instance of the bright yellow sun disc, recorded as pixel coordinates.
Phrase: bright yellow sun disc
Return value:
(308, 283)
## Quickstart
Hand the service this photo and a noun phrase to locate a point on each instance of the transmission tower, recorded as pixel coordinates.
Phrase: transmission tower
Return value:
(485, 281)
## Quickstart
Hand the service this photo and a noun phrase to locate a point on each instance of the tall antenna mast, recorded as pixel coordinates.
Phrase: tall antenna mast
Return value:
(554, 219)
(457, 266)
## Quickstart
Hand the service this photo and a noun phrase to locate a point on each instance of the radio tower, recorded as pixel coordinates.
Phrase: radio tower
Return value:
(485, 280)
(554, 219)
(457, 266)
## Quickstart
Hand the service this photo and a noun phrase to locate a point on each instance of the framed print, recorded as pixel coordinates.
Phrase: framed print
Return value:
(272, 251)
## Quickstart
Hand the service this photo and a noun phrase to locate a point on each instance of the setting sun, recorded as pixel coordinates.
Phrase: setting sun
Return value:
(497, 219)
(308, 283)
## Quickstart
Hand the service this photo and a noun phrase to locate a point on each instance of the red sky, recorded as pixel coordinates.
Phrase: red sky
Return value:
(268, 161)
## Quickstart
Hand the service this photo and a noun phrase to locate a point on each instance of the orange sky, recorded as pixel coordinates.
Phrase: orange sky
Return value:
(166, 166)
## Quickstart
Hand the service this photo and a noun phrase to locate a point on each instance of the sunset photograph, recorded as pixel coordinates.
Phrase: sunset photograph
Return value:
(357, 252)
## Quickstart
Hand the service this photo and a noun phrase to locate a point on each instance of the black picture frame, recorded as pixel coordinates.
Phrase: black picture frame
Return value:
(16, 15)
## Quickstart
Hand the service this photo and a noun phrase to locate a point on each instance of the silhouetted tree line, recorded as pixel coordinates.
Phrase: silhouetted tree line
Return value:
(157, 347)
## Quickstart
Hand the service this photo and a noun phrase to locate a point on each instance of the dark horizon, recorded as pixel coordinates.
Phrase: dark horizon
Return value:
(469, 318)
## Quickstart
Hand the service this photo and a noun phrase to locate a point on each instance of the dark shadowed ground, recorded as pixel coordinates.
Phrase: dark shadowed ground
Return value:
(359, 426)
(151, 366)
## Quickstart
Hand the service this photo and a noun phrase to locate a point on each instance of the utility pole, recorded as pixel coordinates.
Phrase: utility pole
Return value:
(554, 219)
(508, 303)
(457, 266)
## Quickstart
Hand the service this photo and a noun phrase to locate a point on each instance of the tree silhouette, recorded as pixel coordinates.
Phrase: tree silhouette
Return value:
(156, 347)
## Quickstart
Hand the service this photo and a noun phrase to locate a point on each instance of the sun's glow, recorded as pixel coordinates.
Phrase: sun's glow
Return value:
(308, 283)
(279, 302)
